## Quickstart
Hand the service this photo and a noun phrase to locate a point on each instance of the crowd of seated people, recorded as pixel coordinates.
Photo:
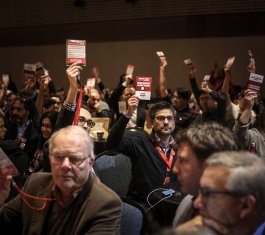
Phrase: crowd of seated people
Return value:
(168, 138)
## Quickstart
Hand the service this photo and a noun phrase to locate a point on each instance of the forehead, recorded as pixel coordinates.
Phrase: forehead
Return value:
(215, 177)
(17, 103)
(204, 95)
(46, 120)
(69, 143)
(164, 112)
(94, 93)
(55, 98)
(84, 113)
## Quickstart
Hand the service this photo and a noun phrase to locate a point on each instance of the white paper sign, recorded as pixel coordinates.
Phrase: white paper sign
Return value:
(129, 70)
(122, 106)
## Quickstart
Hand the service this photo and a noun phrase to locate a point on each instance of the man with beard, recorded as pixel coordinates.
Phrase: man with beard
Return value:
(21, 128)
(152, 156)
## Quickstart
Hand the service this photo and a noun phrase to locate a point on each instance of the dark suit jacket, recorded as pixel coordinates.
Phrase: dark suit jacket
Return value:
(31, 135)
(95, 210)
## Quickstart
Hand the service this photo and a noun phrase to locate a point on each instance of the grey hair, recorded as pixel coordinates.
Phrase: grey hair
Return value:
(79, 133)
(247, 174)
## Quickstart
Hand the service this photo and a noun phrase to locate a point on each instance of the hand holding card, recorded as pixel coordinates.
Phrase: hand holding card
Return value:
(129, 70)
(163, 61)
(191, 67)
(230, 62)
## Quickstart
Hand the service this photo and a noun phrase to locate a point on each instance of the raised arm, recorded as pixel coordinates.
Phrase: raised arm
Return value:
(162, 79)
(193, 83)
(118, 129)
(241, 128)
(67, 112)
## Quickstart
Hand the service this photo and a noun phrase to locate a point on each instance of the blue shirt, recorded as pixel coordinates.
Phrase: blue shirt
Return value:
(260, 229)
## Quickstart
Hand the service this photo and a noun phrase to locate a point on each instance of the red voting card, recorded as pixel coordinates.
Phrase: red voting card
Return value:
(75, 51)
(143, 87)
(255, 82)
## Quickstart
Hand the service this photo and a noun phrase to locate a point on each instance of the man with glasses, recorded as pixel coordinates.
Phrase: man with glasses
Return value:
(69, 200)
(231, 195)
(194, 146)
(152, 156)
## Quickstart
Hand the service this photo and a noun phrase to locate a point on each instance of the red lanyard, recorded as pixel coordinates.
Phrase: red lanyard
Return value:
(169, 160)
(23, 195)
(77, 111)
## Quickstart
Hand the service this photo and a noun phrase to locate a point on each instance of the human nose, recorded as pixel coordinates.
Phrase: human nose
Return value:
(198, 202)
(66, 163)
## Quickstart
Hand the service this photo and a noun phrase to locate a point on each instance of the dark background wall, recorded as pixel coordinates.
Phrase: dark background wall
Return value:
(123, 32)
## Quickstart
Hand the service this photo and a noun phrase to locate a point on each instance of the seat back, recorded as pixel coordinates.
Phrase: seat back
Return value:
(133, 218)
(114, 170)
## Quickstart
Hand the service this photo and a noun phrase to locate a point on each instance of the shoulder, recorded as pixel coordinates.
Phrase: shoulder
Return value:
(38, 179)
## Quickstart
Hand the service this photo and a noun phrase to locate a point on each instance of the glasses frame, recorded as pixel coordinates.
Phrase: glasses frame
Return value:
(89, 122)
(58, 160)
(162, 118)
(206, 193)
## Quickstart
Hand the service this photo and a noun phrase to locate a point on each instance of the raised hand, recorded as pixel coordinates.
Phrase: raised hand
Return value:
(73, 73)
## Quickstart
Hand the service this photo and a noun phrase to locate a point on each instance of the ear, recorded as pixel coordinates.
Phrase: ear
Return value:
(91, 161)
(247, 206)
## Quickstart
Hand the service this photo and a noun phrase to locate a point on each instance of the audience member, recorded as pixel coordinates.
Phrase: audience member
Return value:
(119, 98)
(152, 156)
(69, 200)
(96, 106)
(232, 109)
(253, 135)
(212, 103)
(194, 146)
(46, 128)
(16, 155)
(21, 128)
(180, 101)
(231, 195)
(185, 115)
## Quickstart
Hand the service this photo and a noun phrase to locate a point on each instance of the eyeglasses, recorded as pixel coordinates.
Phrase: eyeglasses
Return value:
(83, 120)
(163, 118)
(206, 193)
(74, 161)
